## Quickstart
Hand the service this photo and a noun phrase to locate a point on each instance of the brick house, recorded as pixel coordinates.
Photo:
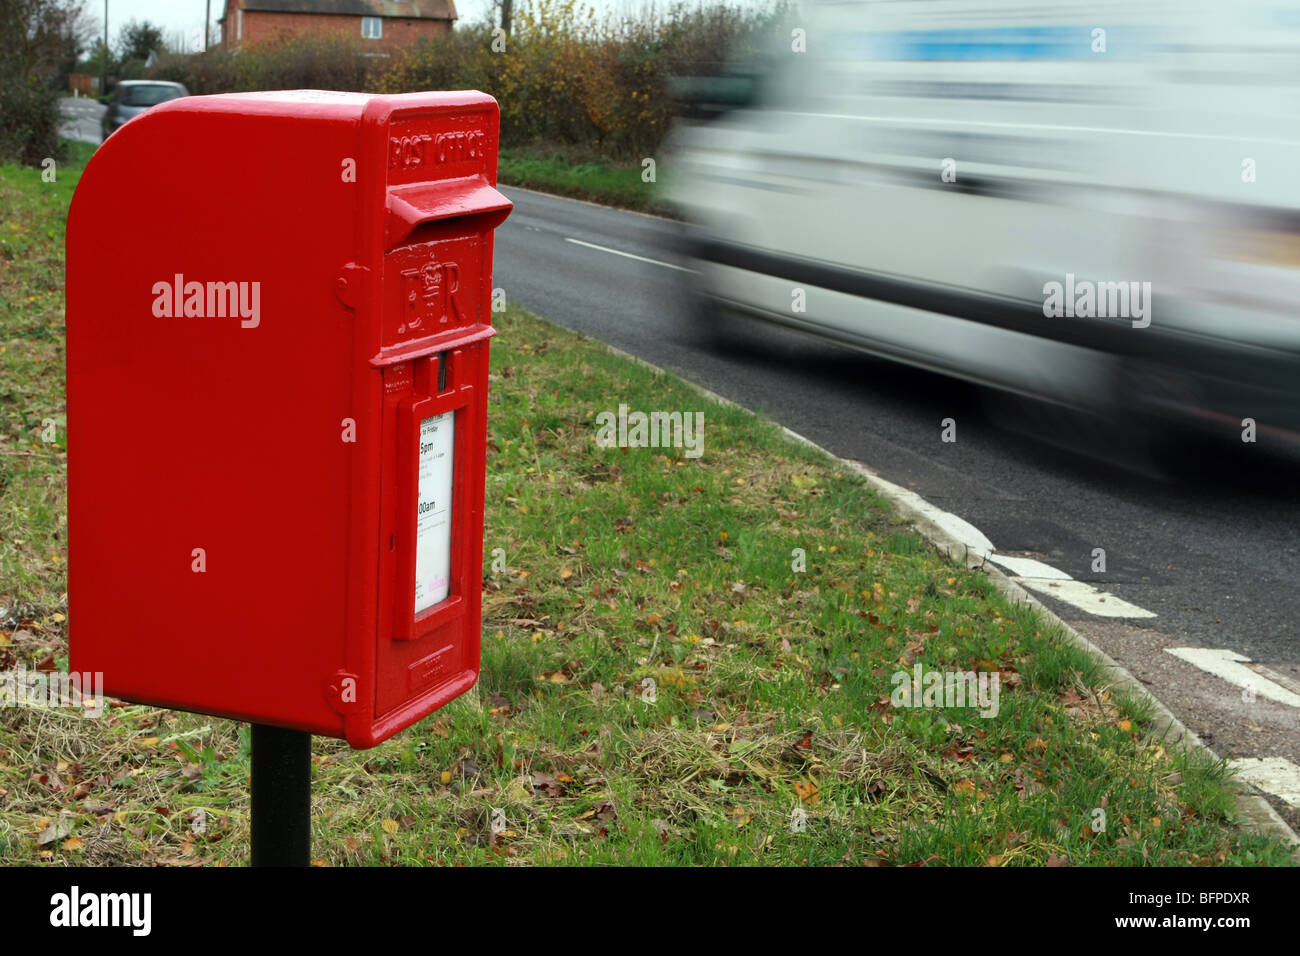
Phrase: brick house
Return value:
(385, 23)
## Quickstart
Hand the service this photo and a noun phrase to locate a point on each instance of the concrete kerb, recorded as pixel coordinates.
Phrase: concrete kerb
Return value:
(1255, 812)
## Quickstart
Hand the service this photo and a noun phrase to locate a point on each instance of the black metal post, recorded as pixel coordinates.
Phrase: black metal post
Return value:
(281, 798)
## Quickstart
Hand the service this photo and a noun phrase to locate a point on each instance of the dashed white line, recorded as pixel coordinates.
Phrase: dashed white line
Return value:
(628, 255)
(1033, 574)
(959, 528)
(1230, 666)
(1085, 597)
(1275, 775)
(1028, 568)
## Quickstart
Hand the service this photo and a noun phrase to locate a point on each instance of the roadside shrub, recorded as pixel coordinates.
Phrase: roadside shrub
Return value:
(29, 120)
(200, 73)
(33, 36)
(327, 62)
(460, 60)
(565, 77)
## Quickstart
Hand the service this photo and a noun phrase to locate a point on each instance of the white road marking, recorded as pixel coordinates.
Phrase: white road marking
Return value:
(962, 530)
(1230, 666)
(1282, 680)
(1032, 574)
(1275, 775)
(1085, 597)
(655, 262)
(1028, 567)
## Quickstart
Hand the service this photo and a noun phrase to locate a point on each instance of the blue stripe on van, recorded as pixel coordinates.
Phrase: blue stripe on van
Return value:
(992, 43)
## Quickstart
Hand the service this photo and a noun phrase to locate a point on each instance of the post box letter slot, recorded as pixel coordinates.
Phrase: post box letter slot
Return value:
(421, 212)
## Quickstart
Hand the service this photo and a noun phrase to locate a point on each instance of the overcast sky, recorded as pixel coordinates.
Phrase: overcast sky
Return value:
(185, 16)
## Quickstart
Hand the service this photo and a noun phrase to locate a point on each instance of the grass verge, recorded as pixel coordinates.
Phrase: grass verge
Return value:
(686, 661)
(582, 176)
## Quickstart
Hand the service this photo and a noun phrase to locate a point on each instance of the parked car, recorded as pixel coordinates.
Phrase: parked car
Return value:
(133, 97)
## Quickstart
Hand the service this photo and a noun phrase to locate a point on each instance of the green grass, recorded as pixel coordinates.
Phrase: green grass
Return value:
(583, 176)
(616, 566)
(32, 502)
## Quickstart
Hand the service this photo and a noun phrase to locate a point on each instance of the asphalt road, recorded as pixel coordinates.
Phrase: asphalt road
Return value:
(81, 118)
(1215, 555)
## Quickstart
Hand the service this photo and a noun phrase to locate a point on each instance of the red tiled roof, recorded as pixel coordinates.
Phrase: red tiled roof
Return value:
(419, 9)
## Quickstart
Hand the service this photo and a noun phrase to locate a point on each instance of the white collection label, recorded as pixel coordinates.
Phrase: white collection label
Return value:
(433, 511)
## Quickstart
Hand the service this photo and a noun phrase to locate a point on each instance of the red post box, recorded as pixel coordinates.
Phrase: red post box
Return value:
(278, 323)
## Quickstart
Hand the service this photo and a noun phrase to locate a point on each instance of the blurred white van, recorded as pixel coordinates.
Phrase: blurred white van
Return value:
(1096, 204)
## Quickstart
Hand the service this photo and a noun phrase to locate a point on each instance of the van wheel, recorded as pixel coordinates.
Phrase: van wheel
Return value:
(712, 325)
(1155, 399)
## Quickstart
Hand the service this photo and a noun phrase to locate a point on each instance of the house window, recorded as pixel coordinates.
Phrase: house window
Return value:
(239, 24)
(372, 28)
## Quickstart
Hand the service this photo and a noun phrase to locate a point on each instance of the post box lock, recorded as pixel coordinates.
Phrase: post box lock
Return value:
(332, 472)
(350, 286)
(342, 692)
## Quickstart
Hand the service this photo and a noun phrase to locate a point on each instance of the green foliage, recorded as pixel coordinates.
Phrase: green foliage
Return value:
(567, 77)
(138, 39)
(202, 73)
(583, 173)
(35, 39)
(563, 76)
(329, 62)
